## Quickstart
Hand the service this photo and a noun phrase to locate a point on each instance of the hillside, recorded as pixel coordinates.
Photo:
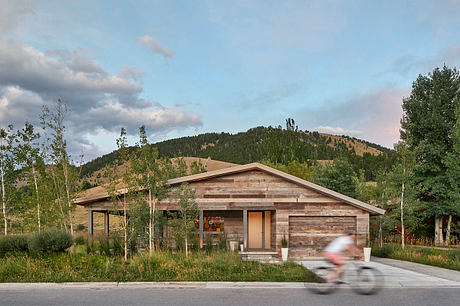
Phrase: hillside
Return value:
(245, 147)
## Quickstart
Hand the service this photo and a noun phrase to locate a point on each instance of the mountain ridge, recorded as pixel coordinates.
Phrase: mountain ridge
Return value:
(245, 147)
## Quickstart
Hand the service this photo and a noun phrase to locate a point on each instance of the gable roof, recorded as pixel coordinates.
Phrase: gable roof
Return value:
(248, 167)
(294, 179)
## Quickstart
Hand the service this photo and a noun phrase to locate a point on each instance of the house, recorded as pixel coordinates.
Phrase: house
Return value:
(258, 205)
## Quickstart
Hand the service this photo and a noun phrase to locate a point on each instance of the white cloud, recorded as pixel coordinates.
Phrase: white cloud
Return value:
(154, 45)
(337, 130)
(98, 100)
(11, 11)
(376, 114)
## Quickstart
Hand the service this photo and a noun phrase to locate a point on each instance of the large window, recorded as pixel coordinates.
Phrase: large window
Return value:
(212, 224)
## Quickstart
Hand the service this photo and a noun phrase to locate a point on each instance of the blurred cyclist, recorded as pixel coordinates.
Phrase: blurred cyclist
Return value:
(335, 250)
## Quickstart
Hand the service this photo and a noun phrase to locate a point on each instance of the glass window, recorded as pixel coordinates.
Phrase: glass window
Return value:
(212, 224)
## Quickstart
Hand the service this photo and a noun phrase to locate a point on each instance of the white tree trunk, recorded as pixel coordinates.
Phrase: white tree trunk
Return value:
(402, 217)
(3, 199)
(125, 215)
(150, 223)
(186, 234)
(449, 222)
(38, 198)
(438, 238)
(67, 190)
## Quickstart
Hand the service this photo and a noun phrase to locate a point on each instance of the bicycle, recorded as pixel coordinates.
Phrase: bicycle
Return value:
(362, 279)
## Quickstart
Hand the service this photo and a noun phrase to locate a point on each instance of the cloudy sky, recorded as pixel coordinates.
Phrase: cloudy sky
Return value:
(189, 67)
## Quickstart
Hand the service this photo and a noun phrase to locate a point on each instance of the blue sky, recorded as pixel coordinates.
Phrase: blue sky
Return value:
(189, 67)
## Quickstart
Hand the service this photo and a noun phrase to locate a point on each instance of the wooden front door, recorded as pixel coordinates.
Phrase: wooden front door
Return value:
(255, 229)
(259, 229)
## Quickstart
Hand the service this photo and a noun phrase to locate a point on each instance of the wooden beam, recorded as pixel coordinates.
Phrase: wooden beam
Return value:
(201, 221)
(106, 223)
(90, 222)
(245, 230)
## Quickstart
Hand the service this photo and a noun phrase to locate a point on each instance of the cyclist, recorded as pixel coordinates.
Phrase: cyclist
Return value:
(334, 253)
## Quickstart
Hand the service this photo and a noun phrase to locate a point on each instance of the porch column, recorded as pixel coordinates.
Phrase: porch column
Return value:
(90, 222)
(245, 230)
(106, 223)
(201, 228)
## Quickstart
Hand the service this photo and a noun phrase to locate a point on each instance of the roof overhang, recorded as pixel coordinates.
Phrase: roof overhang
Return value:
(248, 167)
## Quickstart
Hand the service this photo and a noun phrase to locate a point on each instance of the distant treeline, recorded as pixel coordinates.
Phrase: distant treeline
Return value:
(247, 147)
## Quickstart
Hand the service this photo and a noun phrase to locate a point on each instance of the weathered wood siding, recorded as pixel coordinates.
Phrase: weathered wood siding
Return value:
(233, 222)
(308, 236)
(258, 190)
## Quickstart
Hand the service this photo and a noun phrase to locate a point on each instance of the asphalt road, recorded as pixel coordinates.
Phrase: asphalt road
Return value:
(229, 296)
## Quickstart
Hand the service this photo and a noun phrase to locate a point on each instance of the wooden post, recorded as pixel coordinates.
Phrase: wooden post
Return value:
(201, 221)
(90, 222)
(106, 223)
(245, 230)
(263, 230)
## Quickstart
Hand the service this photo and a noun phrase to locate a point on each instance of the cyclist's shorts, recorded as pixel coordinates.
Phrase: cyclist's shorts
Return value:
(335, 258)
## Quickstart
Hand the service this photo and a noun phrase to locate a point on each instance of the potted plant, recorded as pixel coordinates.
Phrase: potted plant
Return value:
(284, 248)
(367, 250)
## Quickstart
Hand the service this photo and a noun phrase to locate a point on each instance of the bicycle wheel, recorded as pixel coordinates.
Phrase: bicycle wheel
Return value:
(368, 281)
(323, 287)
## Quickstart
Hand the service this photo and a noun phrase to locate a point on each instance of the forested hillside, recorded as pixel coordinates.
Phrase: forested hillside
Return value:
(247, 147)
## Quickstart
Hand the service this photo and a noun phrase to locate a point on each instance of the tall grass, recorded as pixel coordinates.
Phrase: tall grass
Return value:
(445, 258)
(161, 266)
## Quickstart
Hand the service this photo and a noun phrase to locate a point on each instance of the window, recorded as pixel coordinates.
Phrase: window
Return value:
(212, 224)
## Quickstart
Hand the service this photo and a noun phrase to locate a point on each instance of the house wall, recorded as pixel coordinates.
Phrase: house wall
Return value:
(233, 222)
(257, 190)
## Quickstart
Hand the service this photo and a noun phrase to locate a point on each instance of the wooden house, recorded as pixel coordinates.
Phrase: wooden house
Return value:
(258, 205)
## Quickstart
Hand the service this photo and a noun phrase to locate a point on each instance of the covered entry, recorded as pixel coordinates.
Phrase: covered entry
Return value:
(259, 223)
(308, 236)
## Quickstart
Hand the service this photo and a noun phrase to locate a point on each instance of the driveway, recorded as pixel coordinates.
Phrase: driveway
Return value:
(399, 274)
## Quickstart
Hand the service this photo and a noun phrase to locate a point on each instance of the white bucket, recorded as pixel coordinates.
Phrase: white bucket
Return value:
(367, 254)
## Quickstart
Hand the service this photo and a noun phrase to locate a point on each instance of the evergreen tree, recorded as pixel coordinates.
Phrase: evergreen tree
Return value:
(339, 177)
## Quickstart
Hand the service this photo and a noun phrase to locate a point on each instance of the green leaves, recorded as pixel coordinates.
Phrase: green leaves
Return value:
(430, 127)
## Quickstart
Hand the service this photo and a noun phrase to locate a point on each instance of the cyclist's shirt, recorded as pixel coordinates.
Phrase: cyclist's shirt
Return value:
(339, 244)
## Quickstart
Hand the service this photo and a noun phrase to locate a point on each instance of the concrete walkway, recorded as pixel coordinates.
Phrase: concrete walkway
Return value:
(402, 274)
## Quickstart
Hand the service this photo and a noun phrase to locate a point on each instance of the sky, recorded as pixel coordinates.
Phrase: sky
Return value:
(183, 68)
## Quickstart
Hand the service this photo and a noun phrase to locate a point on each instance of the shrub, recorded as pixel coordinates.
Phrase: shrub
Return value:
(284, 242)
(80, 240)
(384, 251)
(222, 245)
(13, 243)
(50, 241)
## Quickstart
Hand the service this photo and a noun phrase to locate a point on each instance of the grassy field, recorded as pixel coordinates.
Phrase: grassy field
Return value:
(448, 258)
(162, 266)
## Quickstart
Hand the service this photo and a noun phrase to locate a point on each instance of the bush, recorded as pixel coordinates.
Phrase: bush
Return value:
(80, 240)
(384, 251)
(13, 243)
(50, 241)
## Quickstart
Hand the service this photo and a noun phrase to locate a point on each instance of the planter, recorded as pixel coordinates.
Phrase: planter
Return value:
(367, 254)
(284, 254)
(233, 245)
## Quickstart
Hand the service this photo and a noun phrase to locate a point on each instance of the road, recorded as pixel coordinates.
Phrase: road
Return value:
(133, 295)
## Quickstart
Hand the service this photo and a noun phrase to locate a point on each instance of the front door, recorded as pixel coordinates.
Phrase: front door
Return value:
(259, 229)
(255, 226)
